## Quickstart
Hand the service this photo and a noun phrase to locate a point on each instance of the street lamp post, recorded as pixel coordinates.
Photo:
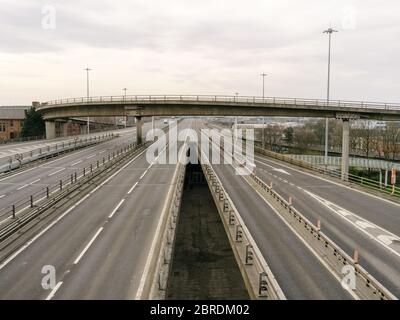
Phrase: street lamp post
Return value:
(263, 84)
(329, 32)
(87, 95)
(263, 118)
(126, 117)
(236, 118)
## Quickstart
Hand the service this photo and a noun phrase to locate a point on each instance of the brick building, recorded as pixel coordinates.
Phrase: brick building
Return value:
(11, 119)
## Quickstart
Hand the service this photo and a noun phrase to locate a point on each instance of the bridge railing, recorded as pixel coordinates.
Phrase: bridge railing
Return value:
(222, 99)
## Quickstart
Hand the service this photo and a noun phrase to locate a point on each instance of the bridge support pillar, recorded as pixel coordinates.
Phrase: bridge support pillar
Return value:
(64, 129)
(83, 128)
(345, 149)
(50, 129)
(139, 125)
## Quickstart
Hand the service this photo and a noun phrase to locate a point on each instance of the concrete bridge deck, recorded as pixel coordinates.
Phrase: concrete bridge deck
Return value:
(211, 105)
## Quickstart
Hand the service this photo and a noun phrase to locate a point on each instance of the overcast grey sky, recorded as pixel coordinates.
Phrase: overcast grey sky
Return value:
(198, 47)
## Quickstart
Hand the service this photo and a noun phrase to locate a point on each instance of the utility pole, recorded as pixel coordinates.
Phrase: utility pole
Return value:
(263, 118)
(87, 95)
(329, 32)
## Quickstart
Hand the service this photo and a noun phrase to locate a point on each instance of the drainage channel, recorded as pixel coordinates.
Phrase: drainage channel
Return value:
(203, 264)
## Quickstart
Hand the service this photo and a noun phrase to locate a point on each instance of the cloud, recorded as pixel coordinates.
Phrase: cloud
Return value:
(209, 46)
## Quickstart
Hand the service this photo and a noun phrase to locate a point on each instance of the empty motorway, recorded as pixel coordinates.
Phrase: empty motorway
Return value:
(99, 246)
(100, 243)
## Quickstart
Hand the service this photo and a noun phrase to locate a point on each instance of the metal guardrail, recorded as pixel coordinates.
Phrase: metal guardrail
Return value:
(258, 277)
(17, 160)
(167, 243)
(367, 287)
(22, 139)
(153, 284)
(365, 182)
(223, 98)
(37, 201)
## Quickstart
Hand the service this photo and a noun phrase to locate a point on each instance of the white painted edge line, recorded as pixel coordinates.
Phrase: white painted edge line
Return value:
(53, 292)
(355, 225)
(133, 187)
(143, 174)
(327, 266)
(27, 244)
(157, 233)
(116, 208)
(88, 246)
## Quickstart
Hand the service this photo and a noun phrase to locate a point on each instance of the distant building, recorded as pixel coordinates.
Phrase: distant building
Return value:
(11, 118)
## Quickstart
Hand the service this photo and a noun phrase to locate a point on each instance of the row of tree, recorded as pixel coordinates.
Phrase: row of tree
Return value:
(33, 124)
(366, 138)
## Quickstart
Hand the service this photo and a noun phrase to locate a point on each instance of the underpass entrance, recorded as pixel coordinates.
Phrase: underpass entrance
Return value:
(203, 265)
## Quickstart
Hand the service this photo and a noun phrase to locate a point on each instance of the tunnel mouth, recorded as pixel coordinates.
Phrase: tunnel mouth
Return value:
(203, 264)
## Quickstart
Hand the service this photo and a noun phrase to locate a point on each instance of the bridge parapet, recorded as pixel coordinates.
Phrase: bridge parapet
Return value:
(214, 105)
(149, 99)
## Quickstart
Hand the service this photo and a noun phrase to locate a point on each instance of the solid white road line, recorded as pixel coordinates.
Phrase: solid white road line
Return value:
(88, 246)
(133, 187)
(55, 172)
(26, 245)
(143, 174)
(116, 208)
(146, 269)
(53, 292)
(302, 240)
(361, 224)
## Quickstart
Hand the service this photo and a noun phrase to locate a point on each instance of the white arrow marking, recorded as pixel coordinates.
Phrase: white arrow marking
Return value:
(387, 239)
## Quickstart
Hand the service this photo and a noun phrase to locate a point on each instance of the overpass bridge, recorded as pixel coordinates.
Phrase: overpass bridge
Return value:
(212, 105)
